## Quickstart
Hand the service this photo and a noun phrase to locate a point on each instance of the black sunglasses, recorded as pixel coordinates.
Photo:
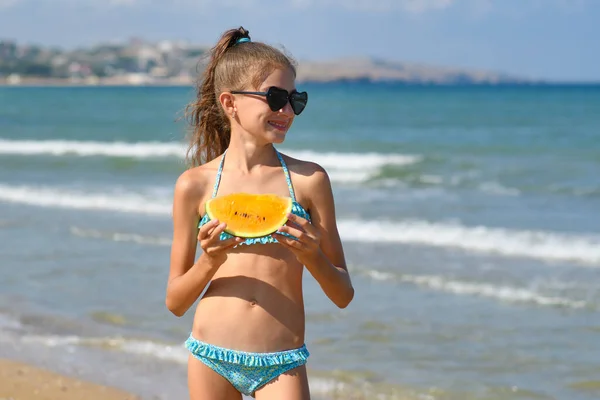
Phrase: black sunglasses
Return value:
(277, 98)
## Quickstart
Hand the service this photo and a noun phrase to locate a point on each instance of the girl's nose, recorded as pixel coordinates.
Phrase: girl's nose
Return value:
(287, 109)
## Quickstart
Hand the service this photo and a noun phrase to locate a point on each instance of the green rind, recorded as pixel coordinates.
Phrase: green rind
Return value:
(247, 235)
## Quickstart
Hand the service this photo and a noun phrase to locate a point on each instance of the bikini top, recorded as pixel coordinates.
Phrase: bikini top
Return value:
(297, 209)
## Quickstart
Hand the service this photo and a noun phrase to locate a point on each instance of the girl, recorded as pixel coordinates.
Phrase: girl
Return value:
(248, 330)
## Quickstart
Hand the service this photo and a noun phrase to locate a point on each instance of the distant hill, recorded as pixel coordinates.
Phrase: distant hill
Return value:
(374, 70)
(172, 63)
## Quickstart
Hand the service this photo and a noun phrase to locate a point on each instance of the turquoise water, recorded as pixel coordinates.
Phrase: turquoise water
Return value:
(470, 218)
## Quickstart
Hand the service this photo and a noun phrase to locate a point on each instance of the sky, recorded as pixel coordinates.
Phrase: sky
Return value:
(555, 40)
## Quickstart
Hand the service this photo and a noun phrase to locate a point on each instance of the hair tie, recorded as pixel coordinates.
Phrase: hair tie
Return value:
(242, 40)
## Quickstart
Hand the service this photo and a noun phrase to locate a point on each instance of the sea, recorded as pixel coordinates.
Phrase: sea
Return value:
(469, 215)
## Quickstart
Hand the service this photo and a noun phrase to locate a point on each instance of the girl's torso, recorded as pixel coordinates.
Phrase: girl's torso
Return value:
(254, 302)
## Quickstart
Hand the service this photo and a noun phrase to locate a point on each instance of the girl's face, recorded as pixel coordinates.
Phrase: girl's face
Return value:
(256, 117)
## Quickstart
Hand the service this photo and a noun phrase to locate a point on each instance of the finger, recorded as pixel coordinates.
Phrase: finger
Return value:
(296, 219)
(223, 244)
(215, 233)
(289, 242)
(207, 228)
(292, 224)
(302, 223)
(297, 233)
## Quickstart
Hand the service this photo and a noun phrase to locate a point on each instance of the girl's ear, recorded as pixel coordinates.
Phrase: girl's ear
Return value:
(228, 103)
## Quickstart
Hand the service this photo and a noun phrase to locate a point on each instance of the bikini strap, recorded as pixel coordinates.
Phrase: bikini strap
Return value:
(287, 175)
(218, 179)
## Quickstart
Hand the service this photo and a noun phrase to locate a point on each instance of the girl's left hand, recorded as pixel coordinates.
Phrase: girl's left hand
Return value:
(307, 245)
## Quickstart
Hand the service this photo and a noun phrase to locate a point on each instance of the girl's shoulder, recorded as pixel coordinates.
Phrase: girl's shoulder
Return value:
(197, 181)
(307, 176)
(302, 167)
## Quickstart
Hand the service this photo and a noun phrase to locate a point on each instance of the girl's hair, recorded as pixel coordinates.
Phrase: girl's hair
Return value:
(231, 66)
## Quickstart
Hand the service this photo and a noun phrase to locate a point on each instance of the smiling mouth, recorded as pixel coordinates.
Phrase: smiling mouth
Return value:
(282, 126)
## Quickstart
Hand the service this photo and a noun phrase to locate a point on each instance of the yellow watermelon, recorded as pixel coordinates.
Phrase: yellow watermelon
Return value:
(250, 215)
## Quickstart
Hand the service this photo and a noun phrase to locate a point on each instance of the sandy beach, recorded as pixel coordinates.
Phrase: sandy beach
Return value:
(20, 381)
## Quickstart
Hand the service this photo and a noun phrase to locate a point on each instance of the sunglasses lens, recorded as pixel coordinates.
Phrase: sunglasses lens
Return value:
(276, 98)
(298, 101)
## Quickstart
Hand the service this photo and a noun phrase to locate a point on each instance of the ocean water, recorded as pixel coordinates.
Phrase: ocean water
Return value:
(470, 218)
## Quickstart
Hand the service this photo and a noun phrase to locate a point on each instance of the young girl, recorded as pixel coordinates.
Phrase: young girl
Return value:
(248, 330)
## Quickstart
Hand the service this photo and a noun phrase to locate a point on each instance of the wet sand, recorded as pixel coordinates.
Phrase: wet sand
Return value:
(20, 381)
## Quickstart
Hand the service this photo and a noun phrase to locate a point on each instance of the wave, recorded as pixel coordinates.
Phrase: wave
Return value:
(549, 246)
(158, 350)
(9, 322)
(92, 148)
(71, 199)
(459, 287)
(342, 167)
(542, 245)
(379, 169)
(579, 249)
(121, 237)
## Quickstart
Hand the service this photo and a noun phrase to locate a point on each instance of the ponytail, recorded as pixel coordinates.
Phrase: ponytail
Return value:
(211, 130)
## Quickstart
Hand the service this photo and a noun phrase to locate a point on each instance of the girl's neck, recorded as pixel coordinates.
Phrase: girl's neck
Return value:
(245, 155)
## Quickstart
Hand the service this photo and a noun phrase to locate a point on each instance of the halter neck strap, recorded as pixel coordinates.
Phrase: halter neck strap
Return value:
(218, 178)
(287, 176)
(286, 172)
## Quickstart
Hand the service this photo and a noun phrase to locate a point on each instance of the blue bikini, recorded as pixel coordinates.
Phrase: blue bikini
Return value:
(246, 371)
(297, 209)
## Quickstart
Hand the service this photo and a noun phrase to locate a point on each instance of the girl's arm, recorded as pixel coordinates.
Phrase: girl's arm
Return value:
(329, 266)
(187, 279)
(319, 247)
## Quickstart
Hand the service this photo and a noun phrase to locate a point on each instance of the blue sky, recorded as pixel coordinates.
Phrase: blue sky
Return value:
(542, 39)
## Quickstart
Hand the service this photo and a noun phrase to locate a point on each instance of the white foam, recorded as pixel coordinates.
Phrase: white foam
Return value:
(342, 167)
(431, 179)
(498, 189)
(345, 176)
(354, 161)
(8, 322)
(121, 237)
(162, 351)
(71, 199)
(324, 386)
(553, 246)
(177, 353)
(92, 148)
(503, 293)
(542, 245)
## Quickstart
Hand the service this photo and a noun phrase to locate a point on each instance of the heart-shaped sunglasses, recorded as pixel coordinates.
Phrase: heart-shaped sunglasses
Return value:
(277, 98)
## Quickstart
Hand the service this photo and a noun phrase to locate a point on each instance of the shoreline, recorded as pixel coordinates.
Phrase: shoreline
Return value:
(24, 381)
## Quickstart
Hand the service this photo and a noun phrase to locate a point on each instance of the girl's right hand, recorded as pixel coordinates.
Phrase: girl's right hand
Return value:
(213, 247)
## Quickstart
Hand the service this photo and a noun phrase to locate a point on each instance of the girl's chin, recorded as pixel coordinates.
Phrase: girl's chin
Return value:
(278, 139)
(276, 136)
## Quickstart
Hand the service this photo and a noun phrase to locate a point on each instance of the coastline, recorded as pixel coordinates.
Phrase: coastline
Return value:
(118, 81)
(124, 81)
(21, 381)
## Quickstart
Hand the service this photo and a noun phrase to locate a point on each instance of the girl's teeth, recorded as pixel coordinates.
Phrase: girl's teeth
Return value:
(282, 126)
